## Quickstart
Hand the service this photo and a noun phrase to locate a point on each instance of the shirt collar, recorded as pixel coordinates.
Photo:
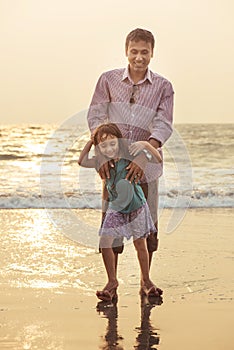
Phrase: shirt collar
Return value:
(147, 76)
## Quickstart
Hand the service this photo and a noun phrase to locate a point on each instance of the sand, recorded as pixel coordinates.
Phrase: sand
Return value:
(194, 266)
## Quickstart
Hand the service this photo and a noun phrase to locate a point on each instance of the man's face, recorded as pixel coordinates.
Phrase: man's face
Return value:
(139, 55)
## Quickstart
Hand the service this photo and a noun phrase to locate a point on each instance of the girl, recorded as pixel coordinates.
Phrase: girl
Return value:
(128, 214)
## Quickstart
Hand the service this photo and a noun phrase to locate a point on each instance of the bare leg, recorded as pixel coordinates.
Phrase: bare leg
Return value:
(151, 193)
(110, 262)
(150, 261)
(150, 258)
(116, 264)
(143, 257)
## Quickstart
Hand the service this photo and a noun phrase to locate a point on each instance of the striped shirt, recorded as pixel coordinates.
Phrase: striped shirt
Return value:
(150, 116)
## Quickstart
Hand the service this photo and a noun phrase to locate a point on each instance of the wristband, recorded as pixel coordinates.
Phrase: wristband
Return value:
(147, 154)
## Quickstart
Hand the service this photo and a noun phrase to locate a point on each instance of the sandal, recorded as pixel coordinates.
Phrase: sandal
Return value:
(107, 295)
(153, 291)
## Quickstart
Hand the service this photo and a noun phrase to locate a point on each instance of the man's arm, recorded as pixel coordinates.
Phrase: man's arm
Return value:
(98, 108)
(98, 114)
(161, 128)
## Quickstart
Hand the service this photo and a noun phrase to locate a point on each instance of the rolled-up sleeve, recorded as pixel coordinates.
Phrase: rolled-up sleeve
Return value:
(161, 128)
(98, 110)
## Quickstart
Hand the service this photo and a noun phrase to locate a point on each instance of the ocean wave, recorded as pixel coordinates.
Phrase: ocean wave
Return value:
(205, 179)
(172, 199)
(8, 156)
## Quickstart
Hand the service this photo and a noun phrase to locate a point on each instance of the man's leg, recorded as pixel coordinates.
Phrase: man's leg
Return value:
(151, 193)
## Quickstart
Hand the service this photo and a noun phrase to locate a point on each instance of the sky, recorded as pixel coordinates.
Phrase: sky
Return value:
(53, 51)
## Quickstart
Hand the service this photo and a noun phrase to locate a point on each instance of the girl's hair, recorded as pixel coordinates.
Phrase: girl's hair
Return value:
(105, 130)
(110, 129)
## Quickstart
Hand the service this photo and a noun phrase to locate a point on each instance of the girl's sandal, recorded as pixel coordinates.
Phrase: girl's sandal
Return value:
(107, 295)
(152, 291)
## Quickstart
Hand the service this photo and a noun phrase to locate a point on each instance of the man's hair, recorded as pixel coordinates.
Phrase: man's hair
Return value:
(140, 34)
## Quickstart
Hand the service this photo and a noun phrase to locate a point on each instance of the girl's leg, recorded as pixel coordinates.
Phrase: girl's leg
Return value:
(143, 258)
(108, 256)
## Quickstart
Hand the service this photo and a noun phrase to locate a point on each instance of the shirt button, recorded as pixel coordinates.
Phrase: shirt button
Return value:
(133, 115)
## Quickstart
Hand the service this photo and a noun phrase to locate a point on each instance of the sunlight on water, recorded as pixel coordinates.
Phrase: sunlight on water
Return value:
(32, 335)
(22, 151)
(35, 255)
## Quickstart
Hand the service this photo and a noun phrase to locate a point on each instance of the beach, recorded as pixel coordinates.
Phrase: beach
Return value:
(68, 67)
(48, 284)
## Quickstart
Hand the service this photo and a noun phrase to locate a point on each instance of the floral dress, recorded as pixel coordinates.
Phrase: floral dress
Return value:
(128, 214)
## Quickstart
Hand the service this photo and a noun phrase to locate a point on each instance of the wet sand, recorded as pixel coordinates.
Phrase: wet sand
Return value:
(58, 309)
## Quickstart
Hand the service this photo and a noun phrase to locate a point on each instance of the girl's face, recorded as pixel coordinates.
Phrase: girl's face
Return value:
(109, 147)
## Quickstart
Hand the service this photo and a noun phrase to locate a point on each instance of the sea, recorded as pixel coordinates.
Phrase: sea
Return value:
(39, 169)
(43, 193)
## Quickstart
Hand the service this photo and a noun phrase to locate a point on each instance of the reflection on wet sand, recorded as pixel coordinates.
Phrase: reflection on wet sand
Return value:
(147, 336)
(112, 339)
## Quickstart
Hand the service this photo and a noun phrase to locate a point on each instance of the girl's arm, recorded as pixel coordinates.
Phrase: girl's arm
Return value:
(139, 146)
(84, 156)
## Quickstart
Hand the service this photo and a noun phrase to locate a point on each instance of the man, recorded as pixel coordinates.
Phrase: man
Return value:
(141, 103)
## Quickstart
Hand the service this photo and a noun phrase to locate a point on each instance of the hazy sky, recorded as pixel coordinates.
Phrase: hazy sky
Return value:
(53, 51)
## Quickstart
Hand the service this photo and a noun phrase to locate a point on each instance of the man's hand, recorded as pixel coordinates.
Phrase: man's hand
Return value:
(136, 147)
(104, 167)
(136, 168)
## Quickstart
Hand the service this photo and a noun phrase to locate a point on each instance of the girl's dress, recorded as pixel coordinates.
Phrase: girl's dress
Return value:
(128, 214)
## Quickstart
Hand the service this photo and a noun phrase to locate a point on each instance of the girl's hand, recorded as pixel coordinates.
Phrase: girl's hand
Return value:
(136, 147)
